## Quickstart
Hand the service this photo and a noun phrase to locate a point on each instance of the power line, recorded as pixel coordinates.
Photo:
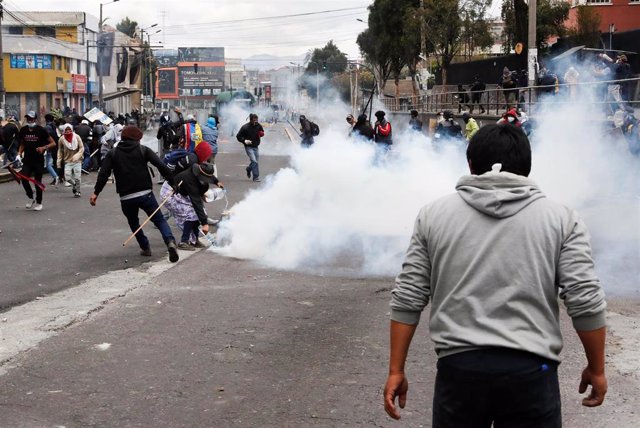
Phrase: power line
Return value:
(233, 21)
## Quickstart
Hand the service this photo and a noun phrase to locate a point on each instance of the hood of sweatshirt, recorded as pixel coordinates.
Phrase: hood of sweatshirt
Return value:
(128, 146)
(498, 194)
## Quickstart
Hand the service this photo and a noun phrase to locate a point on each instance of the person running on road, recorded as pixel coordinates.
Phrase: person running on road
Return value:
(494, 259)
(306, 132)
(71, 152)
(34, 142)
(250, 134)
(51, 156)
(129, 162)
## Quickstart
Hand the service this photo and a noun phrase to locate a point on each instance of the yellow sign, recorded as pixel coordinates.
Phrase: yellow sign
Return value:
(518, 48)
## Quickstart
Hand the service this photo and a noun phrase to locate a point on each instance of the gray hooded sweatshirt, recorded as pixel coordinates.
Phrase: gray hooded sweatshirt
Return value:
(493, 259)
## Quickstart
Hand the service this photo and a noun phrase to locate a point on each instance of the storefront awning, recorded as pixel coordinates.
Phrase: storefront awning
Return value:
(119, 94)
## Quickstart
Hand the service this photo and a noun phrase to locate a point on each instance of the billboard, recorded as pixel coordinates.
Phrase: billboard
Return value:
(201, 71)
(30, 61)
(167, 83)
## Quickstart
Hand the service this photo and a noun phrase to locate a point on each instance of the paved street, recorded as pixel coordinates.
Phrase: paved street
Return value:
(213, 341)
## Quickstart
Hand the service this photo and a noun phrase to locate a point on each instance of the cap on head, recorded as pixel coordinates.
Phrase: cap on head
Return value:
(466, 115)
(31, 115)
(203, 151)
(379, 114)
(190, 118)
(85, 121)
(131, 133)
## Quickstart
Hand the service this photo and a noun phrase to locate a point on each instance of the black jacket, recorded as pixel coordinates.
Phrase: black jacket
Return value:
(128, 161)
(250, 132)
(85, 132)
(363, 129)
(10, 135)
(194, 189)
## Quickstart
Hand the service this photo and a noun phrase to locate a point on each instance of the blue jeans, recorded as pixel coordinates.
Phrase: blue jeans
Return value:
(253, 154)
(86, 162)
(148, 204)
(190, 228)
(49, 162)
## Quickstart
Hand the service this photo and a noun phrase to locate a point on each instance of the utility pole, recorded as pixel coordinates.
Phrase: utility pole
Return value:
(532, 50)
(2, 91)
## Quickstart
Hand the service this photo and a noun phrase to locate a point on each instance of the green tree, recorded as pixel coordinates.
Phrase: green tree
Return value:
(327, 61)
(587, 29)
(451, 25)
(127, 27)
(550, 18)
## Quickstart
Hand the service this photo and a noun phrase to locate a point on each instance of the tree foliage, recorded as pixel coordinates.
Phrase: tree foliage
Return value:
(127, 27)
(550, 18)
(587, 29)
(328, 60)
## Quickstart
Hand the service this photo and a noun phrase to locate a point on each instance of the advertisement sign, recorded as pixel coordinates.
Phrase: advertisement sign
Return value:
(59, 84)
(97, 114)
(167, 83)
(79, 82)
(31, 61)
(201, 55)
(203, 82)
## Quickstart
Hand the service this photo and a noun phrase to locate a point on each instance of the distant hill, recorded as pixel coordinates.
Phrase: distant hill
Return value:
(269, 62)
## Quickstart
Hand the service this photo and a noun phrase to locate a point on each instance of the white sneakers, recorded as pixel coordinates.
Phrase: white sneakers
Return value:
(33, 205)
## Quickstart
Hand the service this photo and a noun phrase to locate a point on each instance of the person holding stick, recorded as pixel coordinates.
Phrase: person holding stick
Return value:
(129, 162)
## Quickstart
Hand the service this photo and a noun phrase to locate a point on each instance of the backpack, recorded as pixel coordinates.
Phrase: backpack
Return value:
(175, 161)
(315, 129)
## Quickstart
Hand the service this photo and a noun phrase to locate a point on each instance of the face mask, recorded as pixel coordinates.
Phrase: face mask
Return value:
(31, 124)
(511, 119)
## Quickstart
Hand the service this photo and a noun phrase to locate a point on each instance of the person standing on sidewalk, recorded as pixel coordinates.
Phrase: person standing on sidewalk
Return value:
(71, 153)
(494, 259)
(34, 142)
(129, 162)
(250, 134)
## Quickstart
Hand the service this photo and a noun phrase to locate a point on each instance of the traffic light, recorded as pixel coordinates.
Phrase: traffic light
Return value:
(324, 65)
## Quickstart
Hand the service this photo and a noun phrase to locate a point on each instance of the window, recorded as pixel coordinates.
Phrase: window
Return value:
(14, 30)
(46, 31)
(598, 1)
(66, 65)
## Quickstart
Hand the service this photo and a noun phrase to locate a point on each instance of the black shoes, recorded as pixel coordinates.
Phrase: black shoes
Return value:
(146, 252)
(173, 252)
(248, 173)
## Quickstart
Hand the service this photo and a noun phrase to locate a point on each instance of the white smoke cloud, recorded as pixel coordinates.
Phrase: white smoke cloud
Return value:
(334, 210)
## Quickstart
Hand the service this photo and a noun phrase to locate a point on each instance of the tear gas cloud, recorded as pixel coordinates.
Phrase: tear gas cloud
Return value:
(333, 210)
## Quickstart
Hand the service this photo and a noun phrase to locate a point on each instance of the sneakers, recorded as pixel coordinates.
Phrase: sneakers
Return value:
(146, 252)
(37, 207)
(186, 247)
(54, 182)
(67, 184)
(257, 180)
(173, 252)
(30, 204)
(76, 194)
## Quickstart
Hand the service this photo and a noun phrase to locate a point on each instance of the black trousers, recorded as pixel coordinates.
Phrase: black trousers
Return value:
(506, 388)
(32, 170)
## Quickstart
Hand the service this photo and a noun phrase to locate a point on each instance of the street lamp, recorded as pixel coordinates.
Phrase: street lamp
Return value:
(99, 63)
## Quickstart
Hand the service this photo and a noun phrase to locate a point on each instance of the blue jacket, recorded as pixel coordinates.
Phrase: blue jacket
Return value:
(210, 134)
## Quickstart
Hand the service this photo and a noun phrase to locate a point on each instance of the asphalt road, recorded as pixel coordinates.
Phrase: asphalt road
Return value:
(69, 241)
(219, 342)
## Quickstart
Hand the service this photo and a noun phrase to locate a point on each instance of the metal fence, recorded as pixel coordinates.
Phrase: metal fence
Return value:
(497, 100)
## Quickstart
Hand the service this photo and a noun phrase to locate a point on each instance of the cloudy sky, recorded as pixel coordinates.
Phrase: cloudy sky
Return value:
(243, 27)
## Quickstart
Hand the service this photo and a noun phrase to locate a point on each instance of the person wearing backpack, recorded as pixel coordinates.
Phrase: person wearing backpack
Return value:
(129, 162)
(306, 131)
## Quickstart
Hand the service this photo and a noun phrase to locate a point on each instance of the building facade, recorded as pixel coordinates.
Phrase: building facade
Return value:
(623, 15)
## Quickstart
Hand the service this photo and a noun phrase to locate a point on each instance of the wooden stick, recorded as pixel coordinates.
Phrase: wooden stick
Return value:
(152, 214)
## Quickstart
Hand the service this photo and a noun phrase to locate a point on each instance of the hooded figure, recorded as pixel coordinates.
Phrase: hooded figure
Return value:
(471, 126)
(129, 163)
(71, 153)
(382, 129)
(362, 128)
(306, 132)
(210, 135)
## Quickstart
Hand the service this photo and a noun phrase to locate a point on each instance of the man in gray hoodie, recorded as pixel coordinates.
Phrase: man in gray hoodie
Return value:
(493, 259)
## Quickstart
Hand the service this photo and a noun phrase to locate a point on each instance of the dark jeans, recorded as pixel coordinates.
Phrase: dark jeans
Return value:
(511, 389)
(86, 161)
(148, 204)
(36, 172)
(188, 228)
